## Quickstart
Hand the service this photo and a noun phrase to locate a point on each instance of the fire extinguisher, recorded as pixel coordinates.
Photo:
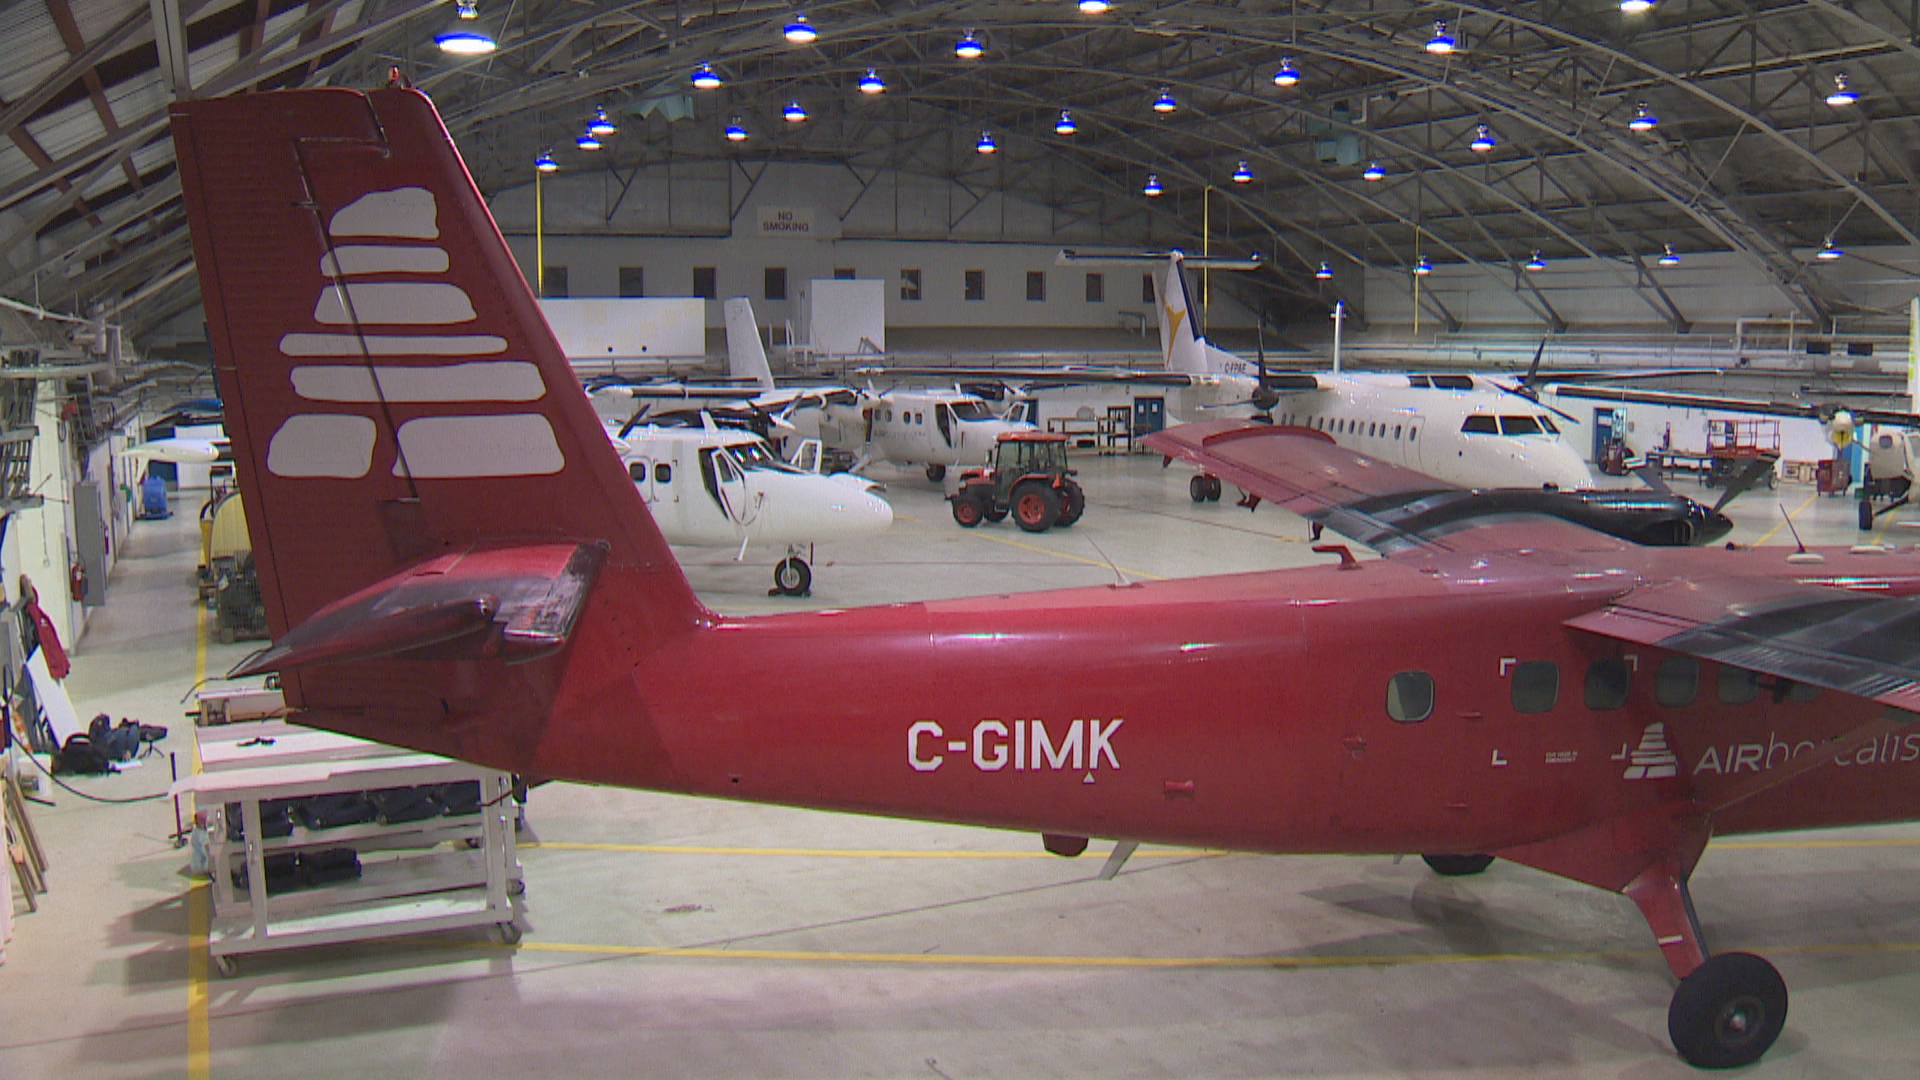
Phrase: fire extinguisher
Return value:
(78, 580)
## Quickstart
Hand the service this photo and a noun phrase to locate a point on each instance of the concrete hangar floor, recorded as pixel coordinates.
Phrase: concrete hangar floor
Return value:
(690, 938)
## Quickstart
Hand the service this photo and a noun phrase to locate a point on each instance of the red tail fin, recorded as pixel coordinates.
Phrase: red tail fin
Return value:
(392, 392)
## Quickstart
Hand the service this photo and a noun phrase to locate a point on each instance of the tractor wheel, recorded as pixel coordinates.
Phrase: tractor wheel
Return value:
(1036, 506)
(1197, 488)
(1073, 503)
(936, 473)
(967, 510)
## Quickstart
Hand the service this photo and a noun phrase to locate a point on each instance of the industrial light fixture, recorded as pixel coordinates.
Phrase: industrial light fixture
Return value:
(1667, 257)
(986, 144)
(1373, 171)
(1828, 252)
(736, 132)
(793, 112)
(600, 125)
(1243, 174)
(1643, 120)
(1841, 96)
(1165, 103)
(1441, 43)
(587, 140)
(1325, 273)
(1288, 75)
(870, 83)
(704, 77)
(1483, 140)
(1065, 125)
(1422, 267)
(1635, 7)
(1538, 262)
(468, 40)
(1153, 189)
(545, 162)
(799, 31)
(1093, 7)
(968, 47)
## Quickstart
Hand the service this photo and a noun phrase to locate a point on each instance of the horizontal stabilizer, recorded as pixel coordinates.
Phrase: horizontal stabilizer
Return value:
(511, 603)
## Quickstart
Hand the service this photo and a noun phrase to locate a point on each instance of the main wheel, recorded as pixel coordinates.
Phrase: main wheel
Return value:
(1213, 489)
(1073, 503)
(1036, 506)
(936, 473)
(968, 510)
(1457, 865)
(1866, 515)
(1197, 488)
(1728, 1012)
(792, 577)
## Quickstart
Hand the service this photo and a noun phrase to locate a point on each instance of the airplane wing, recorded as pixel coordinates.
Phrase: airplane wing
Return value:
(1850, 641)
(1384, 506)
(1690, 400)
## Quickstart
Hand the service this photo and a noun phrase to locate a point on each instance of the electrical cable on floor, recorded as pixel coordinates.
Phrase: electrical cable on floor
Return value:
(63, 786)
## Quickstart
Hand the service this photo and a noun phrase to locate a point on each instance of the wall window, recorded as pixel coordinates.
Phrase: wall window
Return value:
(633, 281)
(1096, 288)
(909, 284)
(976, 284)
(1676, 682)
(553, 282)
(776, 283)
(1410, 697)
(1146, 288)
(1536, 685)
(1607, 683)
(843, 273)
(706, 283)
(1036, 285)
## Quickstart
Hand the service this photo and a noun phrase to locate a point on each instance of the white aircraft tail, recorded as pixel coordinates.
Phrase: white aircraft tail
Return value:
(1182, 345)
(746, 357)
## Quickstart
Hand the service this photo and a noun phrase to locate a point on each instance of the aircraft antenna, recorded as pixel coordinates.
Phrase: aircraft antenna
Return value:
(1124, 582)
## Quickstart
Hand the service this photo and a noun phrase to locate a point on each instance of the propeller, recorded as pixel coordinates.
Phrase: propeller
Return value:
(1743, 480)
(1525, 388)
(1265, 397)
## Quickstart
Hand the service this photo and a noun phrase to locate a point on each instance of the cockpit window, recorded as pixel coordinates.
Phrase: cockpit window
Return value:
(1479, 424)
(970, 410)
(757, 455)
(1519, 425)
(1547, 423)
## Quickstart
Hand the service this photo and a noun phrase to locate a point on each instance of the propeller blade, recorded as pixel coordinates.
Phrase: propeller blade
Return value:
(1649, 475)
(1747, 477)
(1265, 397)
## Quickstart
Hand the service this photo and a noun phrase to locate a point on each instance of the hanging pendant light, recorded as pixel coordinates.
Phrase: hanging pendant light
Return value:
(1422, 266)
(1093, 7)
(1643, 120)
(799, 31)
(1165, 103)
(793, 112)
(587, 141)
(986, 144)
(545, 162)
(1325, 273)
(871, 83)
(1483, 140)
(1635, 7)
(736, 132)
(1243, 174)
(1828, 252)
(1667, 257)
(1441, 43)
(600, 125)
(968, 47)
(466, 37)
(1538, 262)
(1288, 75)
(1373, 172)
(704, 77)
(1152, 190)
(1841, 96)
(1065, 125)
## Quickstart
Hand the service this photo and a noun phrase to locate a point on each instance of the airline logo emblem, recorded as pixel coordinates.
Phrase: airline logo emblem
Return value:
(1020, 745)
(419, 320)
(1653, 759)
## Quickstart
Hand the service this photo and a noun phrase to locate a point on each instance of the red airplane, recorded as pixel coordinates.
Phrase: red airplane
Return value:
(453, 559)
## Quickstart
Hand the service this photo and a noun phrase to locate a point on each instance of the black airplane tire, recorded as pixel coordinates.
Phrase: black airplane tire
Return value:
(936, 473)
(1457, 865)
(1866, 515)
(1213, 489)
(1198, 489)
(1036, 506)
(1073, 503)
(792, 577)
(967, 510)
(1728, 1012)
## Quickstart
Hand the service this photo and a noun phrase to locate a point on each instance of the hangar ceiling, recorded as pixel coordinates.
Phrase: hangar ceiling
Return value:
(1747, 155)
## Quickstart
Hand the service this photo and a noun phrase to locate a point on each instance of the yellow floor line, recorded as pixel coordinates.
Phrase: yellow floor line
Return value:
(199, 1036)
(1010, 542)
(843, 853)
(1866, 842)
(1796, 513)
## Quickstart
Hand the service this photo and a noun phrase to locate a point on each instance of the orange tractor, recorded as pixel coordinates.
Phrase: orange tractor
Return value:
(1029, 479)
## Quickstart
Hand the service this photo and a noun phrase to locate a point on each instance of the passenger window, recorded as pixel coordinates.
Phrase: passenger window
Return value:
(1737, 686)
(1412, 434)
(663, 473)
(1536, 686)
(1676, 682)
(1410, 697)
(1481, 425)
(1607, 683)
(1396, 431)
(637, 470)
(1799, 691)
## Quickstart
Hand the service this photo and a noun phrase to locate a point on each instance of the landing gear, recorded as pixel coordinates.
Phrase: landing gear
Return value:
(1728, 1012)
(936, 473)
(1866, 515)
(1457, 865)
(1204, 488)
(792, 577)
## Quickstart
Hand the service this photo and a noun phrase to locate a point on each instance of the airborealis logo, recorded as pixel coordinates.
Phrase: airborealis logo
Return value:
(1020, 745)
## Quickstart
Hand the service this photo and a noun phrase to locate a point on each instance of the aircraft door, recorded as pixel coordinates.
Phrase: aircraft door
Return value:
(1412, 444)
(728, 484)
(943, 415)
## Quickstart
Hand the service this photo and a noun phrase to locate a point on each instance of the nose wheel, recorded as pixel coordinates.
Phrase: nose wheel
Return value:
(1728, 1012)
(791, 577)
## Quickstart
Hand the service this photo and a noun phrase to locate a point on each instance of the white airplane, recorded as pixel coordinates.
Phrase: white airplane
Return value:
(725, 487)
